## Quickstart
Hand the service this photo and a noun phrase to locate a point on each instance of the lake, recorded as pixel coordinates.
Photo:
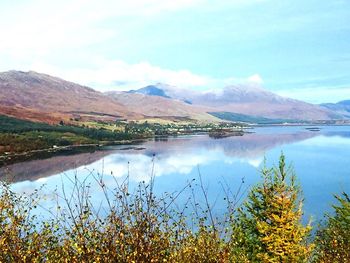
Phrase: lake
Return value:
(320, 159)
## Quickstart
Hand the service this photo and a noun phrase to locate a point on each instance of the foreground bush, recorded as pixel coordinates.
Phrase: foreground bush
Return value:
(333, 238)
(138, 227)
(268, 227)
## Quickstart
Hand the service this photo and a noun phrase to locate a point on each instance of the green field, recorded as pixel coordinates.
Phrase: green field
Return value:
(18, 136)
(21, 136)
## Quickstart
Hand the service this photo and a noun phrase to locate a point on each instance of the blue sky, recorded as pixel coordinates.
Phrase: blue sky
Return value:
(299, 48)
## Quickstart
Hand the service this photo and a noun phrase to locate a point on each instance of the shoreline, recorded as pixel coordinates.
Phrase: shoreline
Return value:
(11, 158)
(6, 159)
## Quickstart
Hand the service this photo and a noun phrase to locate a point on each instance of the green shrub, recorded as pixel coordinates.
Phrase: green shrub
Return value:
(268, 227)
(333, 238)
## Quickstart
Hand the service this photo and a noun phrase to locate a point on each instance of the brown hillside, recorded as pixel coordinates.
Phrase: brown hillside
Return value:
(160, 107)
(251, 100)
(40, 97)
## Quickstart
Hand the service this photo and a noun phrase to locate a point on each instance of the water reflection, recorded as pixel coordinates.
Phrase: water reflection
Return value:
(320, 160)
(171, 155)
(34, 170)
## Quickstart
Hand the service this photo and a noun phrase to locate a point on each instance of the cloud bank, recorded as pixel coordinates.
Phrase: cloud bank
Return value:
(119, 75)
(199, 44)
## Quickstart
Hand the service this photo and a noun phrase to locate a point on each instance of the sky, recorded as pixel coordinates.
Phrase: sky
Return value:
(299, 48)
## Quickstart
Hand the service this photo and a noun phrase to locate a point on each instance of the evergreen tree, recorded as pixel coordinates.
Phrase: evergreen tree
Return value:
(268, 227)
(333, 239)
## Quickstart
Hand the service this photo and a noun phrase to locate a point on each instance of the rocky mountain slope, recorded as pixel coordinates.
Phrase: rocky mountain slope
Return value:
(151, 90)
(40, 97)
(249, 100)
(341, 107)
(158, 106)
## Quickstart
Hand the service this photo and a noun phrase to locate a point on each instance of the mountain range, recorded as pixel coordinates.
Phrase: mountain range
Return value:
(249, 99)
(40, 97)
(341, 107)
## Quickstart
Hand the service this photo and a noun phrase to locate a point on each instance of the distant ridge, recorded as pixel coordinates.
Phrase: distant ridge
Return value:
(341, 107)
(151, 90)
(248, 100)
(154, 106)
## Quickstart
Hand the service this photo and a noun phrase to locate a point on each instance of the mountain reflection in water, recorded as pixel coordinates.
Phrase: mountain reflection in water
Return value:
(173, 154)
(320, 160)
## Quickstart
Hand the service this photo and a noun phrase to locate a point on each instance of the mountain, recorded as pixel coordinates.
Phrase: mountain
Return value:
(250, 100)
(39, 97)
(341, 107)
(151, 90)
(255, 101)
(154, 106)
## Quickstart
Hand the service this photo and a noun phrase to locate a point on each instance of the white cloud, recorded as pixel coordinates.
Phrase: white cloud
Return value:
(38, 27)
(48, 31)
(140, 166)
(118, 75)
(256, 78)
(56, 38)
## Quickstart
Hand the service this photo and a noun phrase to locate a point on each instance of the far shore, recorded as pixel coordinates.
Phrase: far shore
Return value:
(9, 158)
(14, 157)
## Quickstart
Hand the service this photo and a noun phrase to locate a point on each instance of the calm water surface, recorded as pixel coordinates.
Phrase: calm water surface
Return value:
(321, 161)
